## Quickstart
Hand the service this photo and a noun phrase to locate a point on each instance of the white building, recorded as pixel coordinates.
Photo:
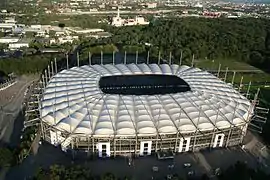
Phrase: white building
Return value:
(118, 21)
(7, 40)
(36, 26)
(67, 39)
(52, 41)
(10, 20)
(198, 5)
(141, 21)
(151, 5)
(40, 33)
(60, 33)
(7, 25)
(78, 30)
(100, 35)
(18, 45)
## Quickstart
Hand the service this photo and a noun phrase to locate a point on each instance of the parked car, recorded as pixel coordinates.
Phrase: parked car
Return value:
(187, 165)
(155, 168)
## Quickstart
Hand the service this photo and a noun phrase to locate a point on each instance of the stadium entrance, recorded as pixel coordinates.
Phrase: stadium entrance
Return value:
(103, 149)
(145, 148)
(184, 145)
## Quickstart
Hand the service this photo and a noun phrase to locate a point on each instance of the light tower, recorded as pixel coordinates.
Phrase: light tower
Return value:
(118, 12)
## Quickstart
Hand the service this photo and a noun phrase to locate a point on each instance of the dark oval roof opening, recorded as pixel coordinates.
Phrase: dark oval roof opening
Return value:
(142, 84)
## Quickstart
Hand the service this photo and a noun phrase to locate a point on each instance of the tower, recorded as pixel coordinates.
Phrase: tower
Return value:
(118, 12)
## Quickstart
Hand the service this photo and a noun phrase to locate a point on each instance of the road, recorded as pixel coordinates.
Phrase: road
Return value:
(11, 100)
(11, 117)
(115, 12)
(141, 168)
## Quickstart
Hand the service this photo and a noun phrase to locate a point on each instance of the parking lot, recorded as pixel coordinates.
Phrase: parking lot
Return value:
(141, 168)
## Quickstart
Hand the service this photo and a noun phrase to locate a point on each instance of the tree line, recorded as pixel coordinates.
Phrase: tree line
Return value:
(29, 64)
(245, 40)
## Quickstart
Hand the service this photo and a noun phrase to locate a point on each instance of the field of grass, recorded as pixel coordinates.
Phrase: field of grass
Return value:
(231, 64)
(253, 77)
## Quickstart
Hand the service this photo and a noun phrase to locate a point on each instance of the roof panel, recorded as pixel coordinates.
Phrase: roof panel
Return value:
(72, 101)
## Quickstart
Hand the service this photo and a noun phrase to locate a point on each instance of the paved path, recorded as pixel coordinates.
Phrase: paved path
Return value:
(11, 117)
(201, 159)
(11, 105)
(140, 169)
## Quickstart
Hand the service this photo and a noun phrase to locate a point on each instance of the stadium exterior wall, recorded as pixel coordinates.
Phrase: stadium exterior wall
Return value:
(126, 146)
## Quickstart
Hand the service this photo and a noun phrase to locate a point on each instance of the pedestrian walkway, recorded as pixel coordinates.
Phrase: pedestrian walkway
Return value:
(199, 157)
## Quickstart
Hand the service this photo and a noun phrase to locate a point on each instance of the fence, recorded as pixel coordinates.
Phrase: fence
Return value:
(7, 84)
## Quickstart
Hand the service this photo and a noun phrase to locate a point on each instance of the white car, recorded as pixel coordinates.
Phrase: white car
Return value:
(190, 173)
(187, 164)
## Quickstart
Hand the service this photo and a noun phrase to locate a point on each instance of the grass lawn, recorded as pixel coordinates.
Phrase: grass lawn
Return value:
(254, 77)
(231, 64)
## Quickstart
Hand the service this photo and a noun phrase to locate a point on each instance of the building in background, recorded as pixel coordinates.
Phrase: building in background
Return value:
(118, 21)
(151, 5)
(7, 40)
(23, 43)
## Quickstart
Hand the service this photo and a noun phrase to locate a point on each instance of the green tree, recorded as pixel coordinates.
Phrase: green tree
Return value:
(108, 176)
(6, 157)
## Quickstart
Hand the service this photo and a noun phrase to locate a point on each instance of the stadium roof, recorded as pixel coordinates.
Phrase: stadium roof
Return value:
(74, 103)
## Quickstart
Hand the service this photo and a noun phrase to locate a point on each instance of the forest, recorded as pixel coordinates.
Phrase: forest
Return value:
(246, 39)
(30, 64)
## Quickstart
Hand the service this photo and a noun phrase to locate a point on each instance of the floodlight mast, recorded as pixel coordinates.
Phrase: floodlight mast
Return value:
(125, 58)
(101, 57)
(219, 67)
(170, 58)
(148, 54)
(55, 64)
(89, 58)
(233, 77)
(113, 57)
(52, 68)
(225, 78)
(43, 81)
(136, 60)
(49, 73)
(181, 56)
(67, 61)
(240, 84)
(249, 84)
(159, 57)
(192, 61)
(46, 76)
(78, 59)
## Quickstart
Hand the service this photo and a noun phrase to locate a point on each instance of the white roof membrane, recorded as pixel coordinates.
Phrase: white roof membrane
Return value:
(73, 102)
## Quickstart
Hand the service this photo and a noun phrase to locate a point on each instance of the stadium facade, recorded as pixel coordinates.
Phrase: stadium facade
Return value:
(110, 110)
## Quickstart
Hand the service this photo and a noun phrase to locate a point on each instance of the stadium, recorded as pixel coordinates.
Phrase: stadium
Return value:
(139, 109)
